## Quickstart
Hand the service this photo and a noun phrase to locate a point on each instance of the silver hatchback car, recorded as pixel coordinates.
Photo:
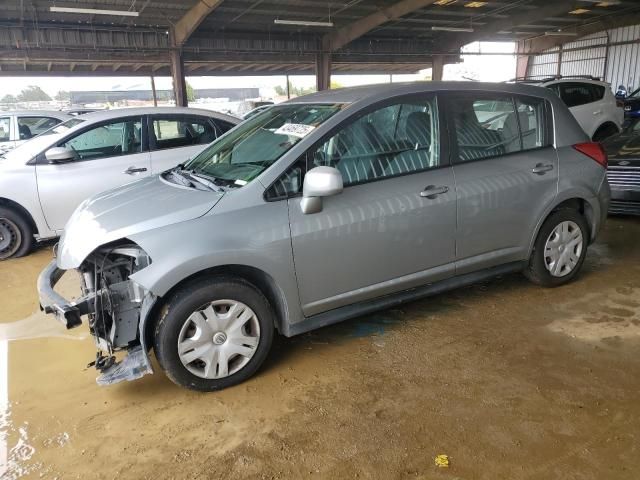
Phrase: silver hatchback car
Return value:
(325, 208)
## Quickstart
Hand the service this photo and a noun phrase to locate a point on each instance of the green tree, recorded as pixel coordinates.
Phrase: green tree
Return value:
(191, 93)
(335, 85)
(280, 90)
(9, 99)
(33, 93)
(63, 96)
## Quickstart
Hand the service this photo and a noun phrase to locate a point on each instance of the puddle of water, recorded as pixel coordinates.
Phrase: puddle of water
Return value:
(39, 325)
(605, 316)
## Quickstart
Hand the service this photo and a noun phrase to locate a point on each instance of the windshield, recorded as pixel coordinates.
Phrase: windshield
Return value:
(63, 127)
(254, 145)
(635, 94)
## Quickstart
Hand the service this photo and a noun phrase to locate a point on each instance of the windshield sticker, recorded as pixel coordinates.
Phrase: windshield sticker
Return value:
(295, 129)
(240, 182)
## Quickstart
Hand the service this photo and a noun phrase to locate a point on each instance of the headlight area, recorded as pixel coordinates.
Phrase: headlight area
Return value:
(115, 314)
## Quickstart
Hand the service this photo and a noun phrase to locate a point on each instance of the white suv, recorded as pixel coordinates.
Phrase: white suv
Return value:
(591, 102)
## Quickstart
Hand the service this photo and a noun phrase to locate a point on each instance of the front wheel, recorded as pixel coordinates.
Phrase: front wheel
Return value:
(559, 250)
(214, 333)
(16, 235)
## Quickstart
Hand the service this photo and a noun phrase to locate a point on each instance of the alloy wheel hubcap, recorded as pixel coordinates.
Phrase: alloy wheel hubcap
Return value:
(563, 248)
(219, 339)
(10, 238)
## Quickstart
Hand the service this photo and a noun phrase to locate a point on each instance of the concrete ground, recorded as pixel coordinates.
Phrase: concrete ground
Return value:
(511, 381)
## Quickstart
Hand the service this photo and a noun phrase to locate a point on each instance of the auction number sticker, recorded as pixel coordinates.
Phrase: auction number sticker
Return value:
(295, 129)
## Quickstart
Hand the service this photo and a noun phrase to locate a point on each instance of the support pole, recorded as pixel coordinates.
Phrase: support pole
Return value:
(288, 88)
(153, 91)
(560, 51)
(522, 61)
(437, 68)
(179, 82)
(323, 71)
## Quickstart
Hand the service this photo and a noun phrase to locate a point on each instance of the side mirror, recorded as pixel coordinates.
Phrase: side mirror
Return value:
(60, 155)
(319, 182)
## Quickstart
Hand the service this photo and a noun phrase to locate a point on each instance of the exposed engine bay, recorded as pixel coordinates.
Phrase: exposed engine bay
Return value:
(113, 307)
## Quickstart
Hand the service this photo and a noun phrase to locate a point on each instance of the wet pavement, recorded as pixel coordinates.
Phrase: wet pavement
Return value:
(511, 381)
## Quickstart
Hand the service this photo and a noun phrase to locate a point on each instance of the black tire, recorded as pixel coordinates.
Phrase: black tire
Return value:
(604, 132)
(537, 270)
(193, 297)
(16, 234)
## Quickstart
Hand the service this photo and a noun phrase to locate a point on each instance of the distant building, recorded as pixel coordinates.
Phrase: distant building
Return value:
(113, 96)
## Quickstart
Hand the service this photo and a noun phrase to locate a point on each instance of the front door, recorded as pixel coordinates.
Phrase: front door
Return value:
(107, 156)
(393, 226)
(506, 174)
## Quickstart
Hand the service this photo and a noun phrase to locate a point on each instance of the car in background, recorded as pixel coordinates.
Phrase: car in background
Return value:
(44, 180)
(590, 100)
(623, 172)
(324, 208)
(631, 103)
(17, 127)
(255, 111)
(80, 111)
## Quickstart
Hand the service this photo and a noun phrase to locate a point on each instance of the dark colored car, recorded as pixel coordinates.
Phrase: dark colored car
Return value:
(624, 169)
(632, 104)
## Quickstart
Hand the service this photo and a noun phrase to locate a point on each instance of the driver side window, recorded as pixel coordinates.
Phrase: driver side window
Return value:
(121, 137)
(394, 140)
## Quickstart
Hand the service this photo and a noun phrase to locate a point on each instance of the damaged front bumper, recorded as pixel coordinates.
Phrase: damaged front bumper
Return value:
(116, 309)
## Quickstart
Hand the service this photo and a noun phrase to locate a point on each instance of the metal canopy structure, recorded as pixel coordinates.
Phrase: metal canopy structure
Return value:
(249, 37)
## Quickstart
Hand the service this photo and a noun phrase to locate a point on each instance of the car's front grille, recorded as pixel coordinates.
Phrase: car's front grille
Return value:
(626, 177)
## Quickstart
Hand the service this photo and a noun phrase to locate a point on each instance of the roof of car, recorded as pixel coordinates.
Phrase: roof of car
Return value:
(120, 112)
(53, 113)
(354, 94)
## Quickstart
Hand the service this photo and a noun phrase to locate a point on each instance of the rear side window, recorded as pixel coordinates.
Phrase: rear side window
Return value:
(5, 123)
(488, 126)
(29, 127)
(222, 126)
(174, 132)
(597, 92)
(576, 94)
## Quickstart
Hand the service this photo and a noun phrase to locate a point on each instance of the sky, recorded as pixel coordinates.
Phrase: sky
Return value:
(490, 68)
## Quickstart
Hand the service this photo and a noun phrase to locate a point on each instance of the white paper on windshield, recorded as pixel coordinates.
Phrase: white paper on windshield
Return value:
(295, 129)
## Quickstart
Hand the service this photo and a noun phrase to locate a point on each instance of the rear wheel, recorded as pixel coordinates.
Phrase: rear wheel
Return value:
(559, 250)
(16, 234)
(214, 333)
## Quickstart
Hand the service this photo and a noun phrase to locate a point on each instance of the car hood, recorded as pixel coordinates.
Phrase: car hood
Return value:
(624, 147)
(26, 151)
(133, 208)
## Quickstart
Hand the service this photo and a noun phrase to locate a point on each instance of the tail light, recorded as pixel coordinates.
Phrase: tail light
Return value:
(619, 103)
(594, 151)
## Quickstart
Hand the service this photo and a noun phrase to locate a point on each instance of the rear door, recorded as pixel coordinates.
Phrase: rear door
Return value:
(506, 172)
(174, 139)
(108, 154)
(393, 226)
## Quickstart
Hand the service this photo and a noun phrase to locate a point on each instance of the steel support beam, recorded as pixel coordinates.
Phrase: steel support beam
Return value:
(188, 24)
(347, 34)
(177, 75)
(511, 22)
(437, 68)
(323, 71)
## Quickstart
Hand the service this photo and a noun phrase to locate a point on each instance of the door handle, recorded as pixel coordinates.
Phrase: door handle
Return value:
(432, 191)
(134, 170)
(541, 169)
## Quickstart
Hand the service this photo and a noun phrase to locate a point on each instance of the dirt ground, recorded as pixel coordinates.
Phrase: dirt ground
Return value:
(509, 380)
